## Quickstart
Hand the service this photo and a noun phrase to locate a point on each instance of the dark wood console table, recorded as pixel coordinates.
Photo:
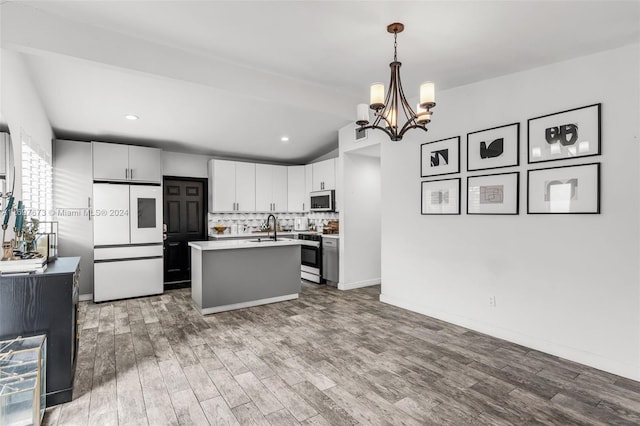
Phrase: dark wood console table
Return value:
(46, 303)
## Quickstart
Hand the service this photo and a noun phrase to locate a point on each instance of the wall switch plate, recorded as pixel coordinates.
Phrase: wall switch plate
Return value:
(492, 301)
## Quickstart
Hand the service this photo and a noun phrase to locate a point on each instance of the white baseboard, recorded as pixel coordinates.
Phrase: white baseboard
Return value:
(242, 305)
(533, 342)
(85, 297)
(359, 284)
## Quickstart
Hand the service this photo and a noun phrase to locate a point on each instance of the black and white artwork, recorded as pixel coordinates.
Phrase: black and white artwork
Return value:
(493, 194)
(441, 196)
(568, 189)
(564, 135)
(440, 157)
(494, 148)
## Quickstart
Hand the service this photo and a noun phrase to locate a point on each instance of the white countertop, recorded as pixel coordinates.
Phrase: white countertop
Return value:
(264, 234)
(249, 235)
(241, 244)
(336, 236)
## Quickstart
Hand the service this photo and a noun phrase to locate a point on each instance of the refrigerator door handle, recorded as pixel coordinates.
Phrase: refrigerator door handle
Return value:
(89, 207)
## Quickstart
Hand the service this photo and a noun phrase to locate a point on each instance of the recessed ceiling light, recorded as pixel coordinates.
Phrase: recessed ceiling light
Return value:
(285, 139)
(131, 117)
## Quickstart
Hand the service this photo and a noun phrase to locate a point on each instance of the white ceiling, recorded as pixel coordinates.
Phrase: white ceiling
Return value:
(230, 78)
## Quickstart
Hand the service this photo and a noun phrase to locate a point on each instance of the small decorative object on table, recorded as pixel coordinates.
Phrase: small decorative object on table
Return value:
(332, 227)
(23, 363)
(220, 229)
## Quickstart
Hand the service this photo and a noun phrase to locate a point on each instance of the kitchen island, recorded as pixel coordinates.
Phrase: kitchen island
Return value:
(236, 274)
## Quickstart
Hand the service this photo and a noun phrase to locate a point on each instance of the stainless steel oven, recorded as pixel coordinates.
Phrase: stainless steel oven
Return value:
(311, 257)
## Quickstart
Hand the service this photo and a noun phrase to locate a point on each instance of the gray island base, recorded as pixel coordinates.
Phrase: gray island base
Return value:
(227, 275)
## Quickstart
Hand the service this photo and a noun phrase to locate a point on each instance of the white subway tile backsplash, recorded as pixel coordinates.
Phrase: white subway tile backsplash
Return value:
(248, 222)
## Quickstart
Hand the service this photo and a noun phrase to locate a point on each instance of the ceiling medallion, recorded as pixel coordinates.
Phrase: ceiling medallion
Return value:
(386, 108)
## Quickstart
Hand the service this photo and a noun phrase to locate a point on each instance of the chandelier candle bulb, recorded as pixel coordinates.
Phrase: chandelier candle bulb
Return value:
(427, 94)
(392, 118)
(422, 115)
(377, 96)
(362, 114)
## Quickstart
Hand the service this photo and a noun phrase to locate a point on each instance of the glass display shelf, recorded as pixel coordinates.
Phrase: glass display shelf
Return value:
(22, 380)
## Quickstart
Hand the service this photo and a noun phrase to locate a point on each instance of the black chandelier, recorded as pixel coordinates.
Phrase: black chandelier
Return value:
(387, 108)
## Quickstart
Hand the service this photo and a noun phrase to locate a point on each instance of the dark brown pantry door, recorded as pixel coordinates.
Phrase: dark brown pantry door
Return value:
(185, 218)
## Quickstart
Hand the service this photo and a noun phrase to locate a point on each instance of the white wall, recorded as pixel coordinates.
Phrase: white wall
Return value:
(359, 180)
(184, 165)
(360, 229)
(331, 154)
(21, 107)
(568, 285)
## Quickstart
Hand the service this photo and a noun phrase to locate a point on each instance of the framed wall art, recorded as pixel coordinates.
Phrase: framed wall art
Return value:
(493, 194)
(441, 196)
(494, 148)
(563, 135)
(440, 157)
(568, 189)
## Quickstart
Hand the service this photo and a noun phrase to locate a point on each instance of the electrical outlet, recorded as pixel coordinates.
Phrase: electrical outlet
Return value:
(492, 301)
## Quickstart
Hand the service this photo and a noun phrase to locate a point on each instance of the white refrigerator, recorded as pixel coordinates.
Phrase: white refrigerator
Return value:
(127, 238)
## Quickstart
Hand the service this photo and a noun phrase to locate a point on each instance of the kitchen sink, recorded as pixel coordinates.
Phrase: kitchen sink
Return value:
(262, 240)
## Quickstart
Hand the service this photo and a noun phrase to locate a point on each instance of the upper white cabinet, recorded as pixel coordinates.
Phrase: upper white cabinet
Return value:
(324, 175)
(308, 185)
(297, 196)
(145, 164)
(232, 186)
(271, 188)
(115, 162)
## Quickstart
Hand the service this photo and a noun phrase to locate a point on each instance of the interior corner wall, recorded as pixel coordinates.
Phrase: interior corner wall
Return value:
(568, 285)
(22, 109)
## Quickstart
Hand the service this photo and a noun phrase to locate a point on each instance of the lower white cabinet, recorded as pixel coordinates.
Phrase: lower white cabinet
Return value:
(123, 272)
(127, 278)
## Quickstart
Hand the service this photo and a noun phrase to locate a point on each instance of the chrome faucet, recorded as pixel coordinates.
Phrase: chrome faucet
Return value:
(275, 227)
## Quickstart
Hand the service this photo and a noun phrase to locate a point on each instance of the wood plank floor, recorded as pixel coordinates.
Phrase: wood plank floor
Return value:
(328, 358)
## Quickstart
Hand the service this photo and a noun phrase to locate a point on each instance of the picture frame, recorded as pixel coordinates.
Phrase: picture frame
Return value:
(496, 194)
(440, 197)
(574, 133)
(494, 148)
(573, 189)
(441, 157)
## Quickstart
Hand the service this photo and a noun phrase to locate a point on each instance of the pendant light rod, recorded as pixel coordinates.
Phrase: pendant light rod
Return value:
(387, 108)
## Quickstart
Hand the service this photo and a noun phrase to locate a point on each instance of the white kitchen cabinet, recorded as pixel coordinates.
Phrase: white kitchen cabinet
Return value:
(279, 192)
(271, 188)
(296, 189)
(222, 185)
(308, 186)
(324, 175)
(145, 164)
(232, 186)
(245, 187)
(126, 163)
(72, 194)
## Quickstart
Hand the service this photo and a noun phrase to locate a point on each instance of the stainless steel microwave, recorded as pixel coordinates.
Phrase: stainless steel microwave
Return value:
(323, 201)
